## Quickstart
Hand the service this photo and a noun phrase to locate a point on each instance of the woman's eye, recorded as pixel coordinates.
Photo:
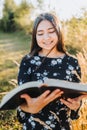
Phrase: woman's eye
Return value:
(40, 34)
(52, 31)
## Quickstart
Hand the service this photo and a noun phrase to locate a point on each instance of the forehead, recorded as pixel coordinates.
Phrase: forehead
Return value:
(44, 24)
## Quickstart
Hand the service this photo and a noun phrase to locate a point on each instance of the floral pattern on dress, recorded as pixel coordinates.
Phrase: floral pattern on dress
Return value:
(55, 116)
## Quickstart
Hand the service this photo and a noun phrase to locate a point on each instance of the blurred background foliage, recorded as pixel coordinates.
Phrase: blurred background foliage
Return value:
(15, 40)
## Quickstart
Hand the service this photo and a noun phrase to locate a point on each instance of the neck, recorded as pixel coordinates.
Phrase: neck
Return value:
(54, 53)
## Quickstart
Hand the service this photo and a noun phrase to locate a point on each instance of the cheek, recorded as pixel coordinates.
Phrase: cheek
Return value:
(56, 38)
(39, 40)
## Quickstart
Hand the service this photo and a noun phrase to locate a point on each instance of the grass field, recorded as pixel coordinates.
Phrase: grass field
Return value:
(13, 46)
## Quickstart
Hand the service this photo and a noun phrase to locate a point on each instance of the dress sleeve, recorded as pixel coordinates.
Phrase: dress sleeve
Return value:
(23, 77)
(76, 73)
(24, 74)
(77, 78)
(22, 116)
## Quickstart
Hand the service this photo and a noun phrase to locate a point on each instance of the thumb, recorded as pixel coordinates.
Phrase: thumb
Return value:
(26, 97)
(83, 96)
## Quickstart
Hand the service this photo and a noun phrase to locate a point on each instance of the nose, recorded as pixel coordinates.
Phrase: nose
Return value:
(46, 36)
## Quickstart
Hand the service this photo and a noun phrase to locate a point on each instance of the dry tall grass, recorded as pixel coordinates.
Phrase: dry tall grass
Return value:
(81, 123)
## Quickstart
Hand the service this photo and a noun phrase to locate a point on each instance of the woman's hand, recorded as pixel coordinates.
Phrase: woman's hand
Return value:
(34, 105)
(74, 103)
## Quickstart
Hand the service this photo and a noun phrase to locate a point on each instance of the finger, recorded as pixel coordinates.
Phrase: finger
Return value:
(72, 105)
(70, 100)
(44, 95)
(67, 103)
(74, 101)
(82, 97)
(26, 97)
(55, 94)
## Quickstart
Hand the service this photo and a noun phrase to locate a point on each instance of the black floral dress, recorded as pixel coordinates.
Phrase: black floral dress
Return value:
(55, 116)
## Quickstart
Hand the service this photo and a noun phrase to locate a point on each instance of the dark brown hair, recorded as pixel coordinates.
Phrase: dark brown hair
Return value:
(56, 24)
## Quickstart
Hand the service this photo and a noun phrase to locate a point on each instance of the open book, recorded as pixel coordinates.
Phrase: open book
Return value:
(35, 88)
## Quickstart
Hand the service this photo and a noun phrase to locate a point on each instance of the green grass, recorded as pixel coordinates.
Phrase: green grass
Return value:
(13, 46)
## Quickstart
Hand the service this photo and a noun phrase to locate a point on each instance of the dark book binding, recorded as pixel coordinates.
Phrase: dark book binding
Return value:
(12, 99)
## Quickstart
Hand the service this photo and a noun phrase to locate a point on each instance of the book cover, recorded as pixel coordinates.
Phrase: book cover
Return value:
(12, 99)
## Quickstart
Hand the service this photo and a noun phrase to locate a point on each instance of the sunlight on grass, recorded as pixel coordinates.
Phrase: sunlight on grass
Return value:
(81, 123)
(12, 48)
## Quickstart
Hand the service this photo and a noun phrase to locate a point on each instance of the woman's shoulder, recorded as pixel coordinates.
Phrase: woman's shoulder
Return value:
(25, 58)
(71, 59)
(28, 58)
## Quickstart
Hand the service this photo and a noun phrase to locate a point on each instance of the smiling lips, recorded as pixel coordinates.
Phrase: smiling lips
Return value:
(48, 43)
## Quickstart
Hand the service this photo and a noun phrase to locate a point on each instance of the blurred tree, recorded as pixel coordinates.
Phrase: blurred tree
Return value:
(40, 4)
(23, 16)
(77, 34)
(7, 22)
(16, 17)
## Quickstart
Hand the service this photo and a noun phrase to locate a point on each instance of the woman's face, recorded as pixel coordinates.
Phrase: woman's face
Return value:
(46, 35)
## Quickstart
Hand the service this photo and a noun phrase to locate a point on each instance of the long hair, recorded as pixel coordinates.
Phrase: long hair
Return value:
(56, 24)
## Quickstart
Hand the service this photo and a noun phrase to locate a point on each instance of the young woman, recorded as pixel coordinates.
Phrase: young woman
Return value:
(48, 59)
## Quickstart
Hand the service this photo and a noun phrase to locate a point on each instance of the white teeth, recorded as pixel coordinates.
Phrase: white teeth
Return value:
(47, 43)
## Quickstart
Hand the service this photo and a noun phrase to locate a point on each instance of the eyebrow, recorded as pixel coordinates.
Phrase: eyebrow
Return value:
(42, 30)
